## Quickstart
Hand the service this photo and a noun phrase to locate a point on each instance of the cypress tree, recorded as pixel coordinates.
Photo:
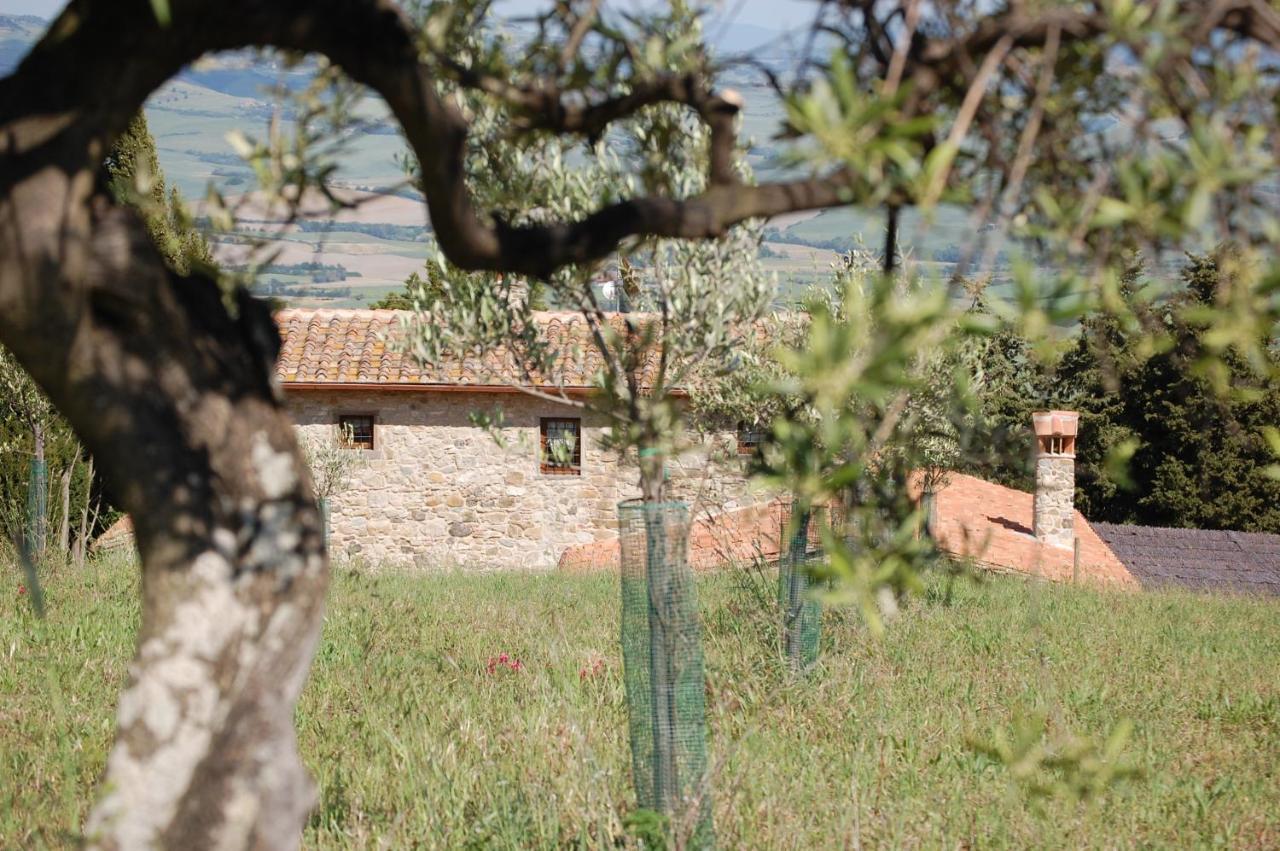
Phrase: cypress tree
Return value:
(1089, 379)
(1200, 459)
(133, 176)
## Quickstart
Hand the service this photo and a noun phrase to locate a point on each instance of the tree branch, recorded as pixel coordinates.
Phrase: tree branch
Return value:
(435, 128)
(580, 29)
(544, 106)
(437, 131)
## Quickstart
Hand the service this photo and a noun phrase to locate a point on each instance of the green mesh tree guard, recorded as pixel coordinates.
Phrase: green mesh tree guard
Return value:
(929, 507)
(322, 503)
(662, 667)
(37, 508)
(801, 611)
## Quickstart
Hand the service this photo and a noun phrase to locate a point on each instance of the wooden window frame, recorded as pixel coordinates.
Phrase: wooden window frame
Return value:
(574, 467)
(373, 431)
(745, 445)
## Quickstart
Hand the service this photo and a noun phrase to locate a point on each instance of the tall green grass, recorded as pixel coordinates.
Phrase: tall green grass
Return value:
(414, 743)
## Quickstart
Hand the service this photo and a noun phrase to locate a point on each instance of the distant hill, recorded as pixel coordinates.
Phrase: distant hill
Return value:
(27, 27)
(377, 246)
(17, 34)
(192, 115)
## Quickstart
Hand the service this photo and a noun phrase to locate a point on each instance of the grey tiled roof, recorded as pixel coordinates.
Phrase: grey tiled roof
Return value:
(1197, 558)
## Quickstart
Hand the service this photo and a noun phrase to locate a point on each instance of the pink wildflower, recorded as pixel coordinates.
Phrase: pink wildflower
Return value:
(22, 589)
(592, 668)
(503, 660)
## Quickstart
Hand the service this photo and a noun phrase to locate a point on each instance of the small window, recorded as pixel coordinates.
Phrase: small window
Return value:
(356, 430)
(561, 450)
(749, 439)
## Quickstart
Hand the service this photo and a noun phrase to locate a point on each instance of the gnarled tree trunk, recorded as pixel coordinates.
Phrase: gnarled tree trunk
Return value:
(169, 384)
(170, 388)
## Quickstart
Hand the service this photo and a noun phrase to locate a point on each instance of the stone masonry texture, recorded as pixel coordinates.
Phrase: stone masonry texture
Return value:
(438, 491)
(1054, 509)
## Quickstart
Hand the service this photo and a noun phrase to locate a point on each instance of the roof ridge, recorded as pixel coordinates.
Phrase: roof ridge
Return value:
(367, 347)
(1190, 530)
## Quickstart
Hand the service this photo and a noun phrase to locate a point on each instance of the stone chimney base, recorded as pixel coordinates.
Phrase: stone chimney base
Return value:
(1055, 514)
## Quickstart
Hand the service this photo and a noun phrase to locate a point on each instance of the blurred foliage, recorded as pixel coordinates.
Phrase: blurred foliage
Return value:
(1047, 761)
(24, 410)
(878, 407)
(330, 459)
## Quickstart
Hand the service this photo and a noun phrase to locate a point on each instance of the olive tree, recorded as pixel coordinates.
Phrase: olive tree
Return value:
(167, 376)
(667, 311)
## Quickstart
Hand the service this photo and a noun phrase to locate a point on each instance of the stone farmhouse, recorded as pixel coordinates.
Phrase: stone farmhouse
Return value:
(434, 489)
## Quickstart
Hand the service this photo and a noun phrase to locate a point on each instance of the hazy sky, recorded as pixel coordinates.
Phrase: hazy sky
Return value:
(43, 8)
(773, 14)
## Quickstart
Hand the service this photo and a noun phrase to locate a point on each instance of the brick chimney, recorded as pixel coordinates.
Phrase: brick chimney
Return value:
(1054, 507)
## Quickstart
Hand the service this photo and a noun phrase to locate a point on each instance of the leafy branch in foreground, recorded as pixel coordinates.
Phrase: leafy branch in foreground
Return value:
(868, 422)
(1059, 763)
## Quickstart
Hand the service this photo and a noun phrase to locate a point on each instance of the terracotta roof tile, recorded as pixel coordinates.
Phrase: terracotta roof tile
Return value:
(118, 536)
(992, 525)
(976, 519)
(331, 346)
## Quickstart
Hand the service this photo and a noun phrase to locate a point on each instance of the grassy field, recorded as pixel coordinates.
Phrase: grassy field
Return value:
(414, 744)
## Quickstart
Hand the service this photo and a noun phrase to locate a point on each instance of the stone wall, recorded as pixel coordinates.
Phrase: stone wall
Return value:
(438, 491)
(734, 536)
